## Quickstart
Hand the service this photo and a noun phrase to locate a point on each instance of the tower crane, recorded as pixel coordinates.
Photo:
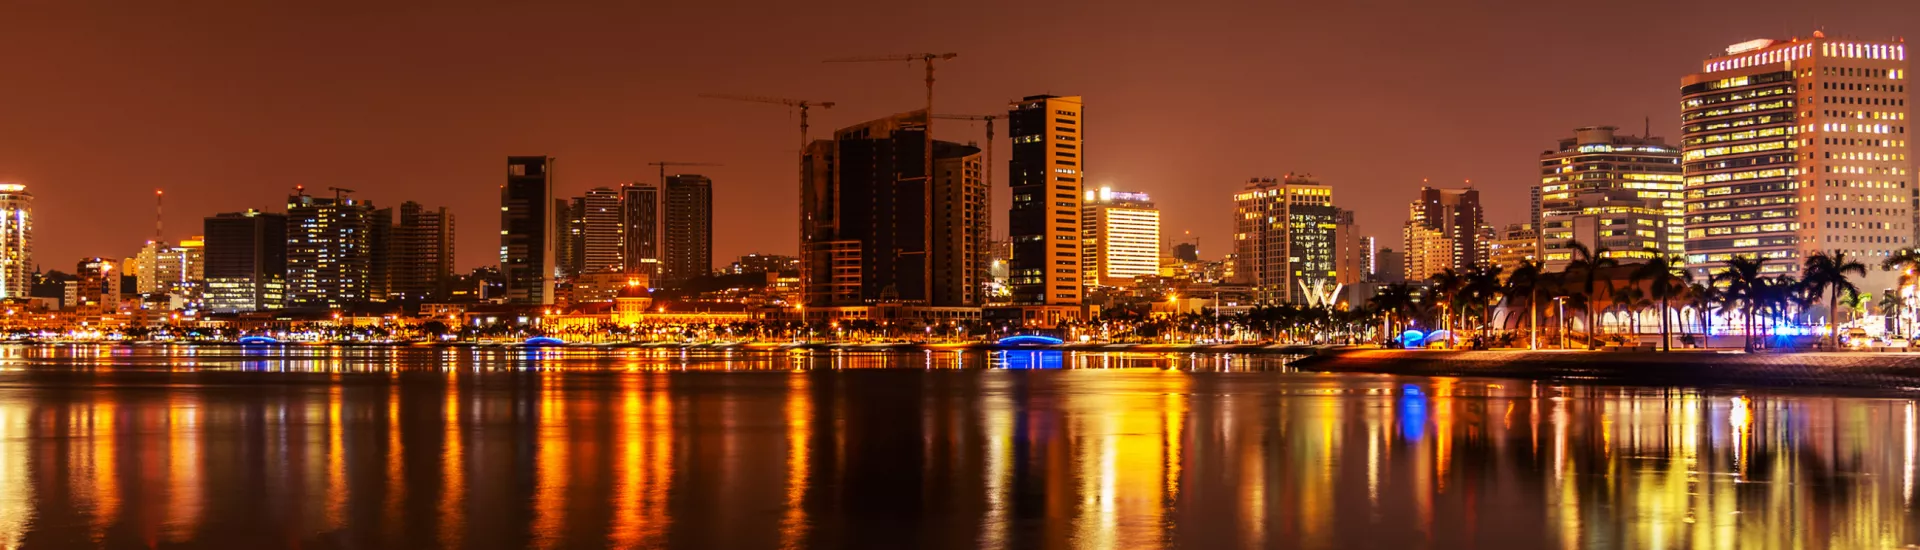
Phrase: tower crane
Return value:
(988, 173)
(928, 59)
(926, 166)
(803, 104)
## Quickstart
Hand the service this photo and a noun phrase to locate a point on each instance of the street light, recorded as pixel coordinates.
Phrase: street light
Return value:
(1561, 319)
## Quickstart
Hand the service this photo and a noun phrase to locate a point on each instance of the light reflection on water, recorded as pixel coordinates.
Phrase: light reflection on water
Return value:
(423, 447)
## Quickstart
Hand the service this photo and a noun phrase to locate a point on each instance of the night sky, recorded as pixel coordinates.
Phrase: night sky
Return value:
(228, 105)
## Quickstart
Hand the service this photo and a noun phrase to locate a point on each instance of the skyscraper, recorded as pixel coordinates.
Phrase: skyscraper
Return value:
(16, 241)
(641, 228)
(596, 229)
(1796, 146)
(526, 239)
(422, 253)
(1604, 190)
(1446, 230)
(687, 224)
(1350, 255)
(329, 250)
(98, 284)
(1284, 237)
(163, 268)
(1047, 175)
(1516, 244)
(872, 230)
(1120, 237)
(246, 261)
(568, 226)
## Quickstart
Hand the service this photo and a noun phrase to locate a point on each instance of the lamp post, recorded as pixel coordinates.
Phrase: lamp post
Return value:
(1561, 318)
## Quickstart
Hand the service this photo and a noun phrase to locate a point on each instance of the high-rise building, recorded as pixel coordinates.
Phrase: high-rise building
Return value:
(246, 261)
(526, 230)
(1120, 237)
(1186, 252)
(1446, 230)
(1617, 192)
(595, 232)
(162, 268)
(687, 228)
(16, 241)
(568, 227)
(1047, 175)
(422, 253)
(380, 255)
(1350, 255)
(1533, 210)
(1371, 259)
(1796, 146)
(872, 228)
(1514, 246)
(98, 284)
(1284, 237)
(329, 251)
(1389, 266)
(641, 227)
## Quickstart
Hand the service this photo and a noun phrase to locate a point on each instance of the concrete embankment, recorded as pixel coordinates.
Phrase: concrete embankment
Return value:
(1885, 372)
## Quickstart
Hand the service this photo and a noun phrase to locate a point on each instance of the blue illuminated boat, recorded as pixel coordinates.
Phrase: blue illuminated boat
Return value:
(258, 341)
(1030, 340)
(544, 341)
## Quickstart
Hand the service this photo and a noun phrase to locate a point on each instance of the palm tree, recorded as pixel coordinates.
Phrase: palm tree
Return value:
(1482, 288)
(1630, 300)
(1827, 274)
(1701, 297)
(1891, 305)
(1664, 282)
(1526, 281)
(1743, 287)
(1591, 261)
(1447, 287)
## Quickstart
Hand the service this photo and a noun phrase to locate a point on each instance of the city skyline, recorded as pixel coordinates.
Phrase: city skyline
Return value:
(418, 145)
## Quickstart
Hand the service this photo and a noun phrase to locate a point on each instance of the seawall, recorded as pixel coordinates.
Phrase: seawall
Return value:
(1886, 372)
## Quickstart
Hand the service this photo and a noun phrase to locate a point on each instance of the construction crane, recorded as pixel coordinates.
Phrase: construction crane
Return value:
(926, 166)
(928, 59)
(665, 163)
(988, 172)
(803, 104)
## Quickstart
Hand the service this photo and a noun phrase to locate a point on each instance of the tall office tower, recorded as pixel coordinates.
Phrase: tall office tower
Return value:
(1283, 237)
(1533, 212)
(246, 261)
(526, 230)
(1446, 230)
(422, 253)
(640, 228)
(1370, 260)
(1389, 266)
(1119, 237)
(1796, 146)
(16, 241)
(596, 229)
(1514, 246)
(98, 284)
(872, 229)
(1350, 255)
(329, 250)
(1621, 193)
(1048, 171)
(161, 268)
(569, 227)
(687, 228)
(380, 255)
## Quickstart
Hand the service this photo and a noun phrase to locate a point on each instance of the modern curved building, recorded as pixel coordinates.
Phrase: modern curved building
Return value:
(1795, 146)
(16, 241)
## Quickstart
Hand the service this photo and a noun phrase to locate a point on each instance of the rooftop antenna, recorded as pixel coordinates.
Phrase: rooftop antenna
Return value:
(158, 203)
(1648, 132)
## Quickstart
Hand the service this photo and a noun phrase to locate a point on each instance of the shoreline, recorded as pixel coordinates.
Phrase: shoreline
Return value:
(1877, 372)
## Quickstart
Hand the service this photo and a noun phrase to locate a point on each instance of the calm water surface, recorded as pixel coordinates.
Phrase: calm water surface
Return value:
(127, 447)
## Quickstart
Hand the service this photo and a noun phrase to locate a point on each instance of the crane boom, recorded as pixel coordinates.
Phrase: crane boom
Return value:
(803, 104)
(663, 164)
(894, 57)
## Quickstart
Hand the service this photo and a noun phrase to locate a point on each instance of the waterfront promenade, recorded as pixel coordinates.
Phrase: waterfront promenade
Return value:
(1897, 372)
